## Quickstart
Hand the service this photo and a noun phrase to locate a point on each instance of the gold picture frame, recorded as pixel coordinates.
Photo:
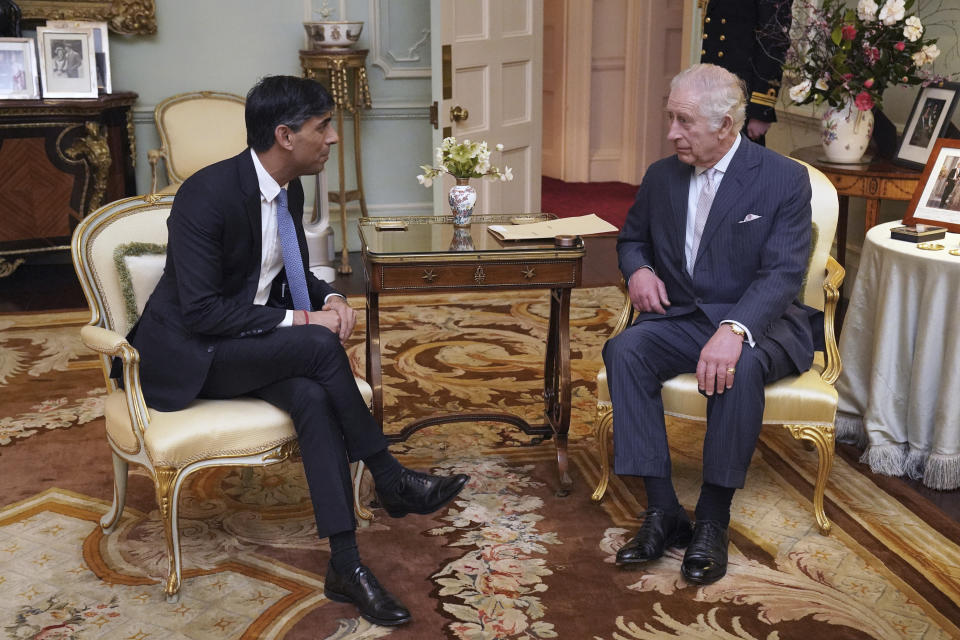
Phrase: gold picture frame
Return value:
(130, 17)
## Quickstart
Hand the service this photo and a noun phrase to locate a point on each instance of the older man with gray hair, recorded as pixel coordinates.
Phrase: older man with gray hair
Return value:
(714, 250)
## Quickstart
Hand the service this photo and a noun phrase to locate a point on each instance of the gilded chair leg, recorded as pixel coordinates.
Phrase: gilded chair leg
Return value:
(168, 493)
(823, 439)
(604, 427)
(364, 514)
(110, 519)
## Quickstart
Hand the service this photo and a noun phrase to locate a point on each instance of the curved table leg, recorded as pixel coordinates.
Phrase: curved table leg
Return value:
(556, 381)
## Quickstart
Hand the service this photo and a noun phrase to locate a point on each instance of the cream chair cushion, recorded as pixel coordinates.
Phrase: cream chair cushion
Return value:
(234, 427)
(801, 398)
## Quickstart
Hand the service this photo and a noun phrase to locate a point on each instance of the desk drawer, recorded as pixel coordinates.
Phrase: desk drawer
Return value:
(477, 275)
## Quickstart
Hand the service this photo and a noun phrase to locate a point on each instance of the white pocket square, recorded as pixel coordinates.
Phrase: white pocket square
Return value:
(750, 217)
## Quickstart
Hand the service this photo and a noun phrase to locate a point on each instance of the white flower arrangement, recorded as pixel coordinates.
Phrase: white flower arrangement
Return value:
(845, 54)
(463, 160)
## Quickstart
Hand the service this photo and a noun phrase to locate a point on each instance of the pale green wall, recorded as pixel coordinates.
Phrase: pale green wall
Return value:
(226, 45)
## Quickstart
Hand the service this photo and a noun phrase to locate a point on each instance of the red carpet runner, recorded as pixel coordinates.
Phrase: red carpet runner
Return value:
(609, 200)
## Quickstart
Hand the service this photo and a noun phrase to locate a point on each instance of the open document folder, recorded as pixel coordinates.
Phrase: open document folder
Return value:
(577, 226)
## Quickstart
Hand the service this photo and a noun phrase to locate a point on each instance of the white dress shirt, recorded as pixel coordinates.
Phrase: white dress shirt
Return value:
(271, 253)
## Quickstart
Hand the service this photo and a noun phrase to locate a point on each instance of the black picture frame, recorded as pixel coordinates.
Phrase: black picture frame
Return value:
(929, 120)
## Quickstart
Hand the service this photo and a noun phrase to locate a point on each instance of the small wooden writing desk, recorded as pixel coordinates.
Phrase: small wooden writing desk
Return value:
(431, 256)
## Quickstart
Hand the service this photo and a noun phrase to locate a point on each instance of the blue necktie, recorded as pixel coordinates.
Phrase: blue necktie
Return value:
(292, 262)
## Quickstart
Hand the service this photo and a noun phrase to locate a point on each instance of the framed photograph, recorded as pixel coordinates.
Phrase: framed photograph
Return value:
(18, 70)
(67, 62)
(929, 119)
(101, 48)
(937, 198)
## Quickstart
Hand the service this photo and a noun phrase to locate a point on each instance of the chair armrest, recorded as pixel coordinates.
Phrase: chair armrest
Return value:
(153, 157)
(112, 344)
(831, 291)
(102, 340)
(626, 311)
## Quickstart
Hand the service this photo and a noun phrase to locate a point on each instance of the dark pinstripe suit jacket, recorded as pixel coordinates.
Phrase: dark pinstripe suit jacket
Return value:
(748, 271)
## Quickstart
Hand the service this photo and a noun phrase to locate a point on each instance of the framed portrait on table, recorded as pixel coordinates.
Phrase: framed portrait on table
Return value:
(68, 66)
(101, 48)
(18, 70)
(937, 198)
(929, 119)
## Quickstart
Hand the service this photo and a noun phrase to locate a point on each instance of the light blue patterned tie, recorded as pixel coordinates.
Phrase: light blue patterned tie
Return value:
(292, 262)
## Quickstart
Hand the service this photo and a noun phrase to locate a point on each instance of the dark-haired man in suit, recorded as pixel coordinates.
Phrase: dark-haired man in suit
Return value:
(714, 250)
(237, 312)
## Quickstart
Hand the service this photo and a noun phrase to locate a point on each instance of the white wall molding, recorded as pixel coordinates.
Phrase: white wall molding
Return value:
(611, 63)
(576, 74)
(399, 60)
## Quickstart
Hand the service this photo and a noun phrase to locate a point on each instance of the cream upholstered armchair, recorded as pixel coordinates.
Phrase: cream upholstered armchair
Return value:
(196, 129)
(118, 253)
(804, 404)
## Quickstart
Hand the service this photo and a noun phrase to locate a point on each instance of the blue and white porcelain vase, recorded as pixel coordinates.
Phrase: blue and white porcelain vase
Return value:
(462, 240)
(846, 133)
(462, 198)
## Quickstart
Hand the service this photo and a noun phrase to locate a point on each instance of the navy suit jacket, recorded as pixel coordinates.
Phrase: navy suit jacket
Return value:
(209, 280)
(748, 271)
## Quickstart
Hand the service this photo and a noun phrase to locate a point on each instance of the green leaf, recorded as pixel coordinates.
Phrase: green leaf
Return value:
(836, 35)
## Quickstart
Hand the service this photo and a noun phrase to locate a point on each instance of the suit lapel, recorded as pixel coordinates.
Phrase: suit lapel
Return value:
(679, 193)
(735, 183)
(250, 195)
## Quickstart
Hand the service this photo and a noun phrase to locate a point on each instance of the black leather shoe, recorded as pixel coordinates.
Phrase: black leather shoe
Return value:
(361, 588)
(658, 531)
(705, 561)
(421, 493)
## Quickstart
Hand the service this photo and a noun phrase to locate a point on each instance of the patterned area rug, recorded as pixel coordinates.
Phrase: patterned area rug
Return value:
(508, 559)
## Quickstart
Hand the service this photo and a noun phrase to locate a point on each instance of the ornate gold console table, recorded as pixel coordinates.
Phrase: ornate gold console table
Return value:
(345, 74)
(59, 160)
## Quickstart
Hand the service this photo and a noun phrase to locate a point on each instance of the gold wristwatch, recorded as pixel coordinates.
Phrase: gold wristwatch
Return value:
(737, 329)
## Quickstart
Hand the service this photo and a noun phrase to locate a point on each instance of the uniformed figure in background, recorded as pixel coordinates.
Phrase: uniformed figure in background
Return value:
(750, 38)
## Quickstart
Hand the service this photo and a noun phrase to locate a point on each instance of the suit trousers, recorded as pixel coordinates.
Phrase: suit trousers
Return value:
(647, 354)
(304, 370)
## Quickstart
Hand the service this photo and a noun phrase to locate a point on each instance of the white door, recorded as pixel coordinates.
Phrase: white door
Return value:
(487, 60)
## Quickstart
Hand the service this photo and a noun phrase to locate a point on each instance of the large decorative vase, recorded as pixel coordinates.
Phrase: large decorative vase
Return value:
(462, 198)
(846, 133)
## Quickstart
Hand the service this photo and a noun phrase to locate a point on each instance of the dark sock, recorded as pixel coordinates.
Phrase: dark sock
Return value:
(660, 494)
(384, 468)
(714, 503)
(344, 555)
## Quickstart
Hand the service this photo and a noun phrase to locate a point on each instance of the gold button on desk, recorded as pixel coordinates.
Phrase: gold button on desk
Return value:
(425, 257)
(345, 74)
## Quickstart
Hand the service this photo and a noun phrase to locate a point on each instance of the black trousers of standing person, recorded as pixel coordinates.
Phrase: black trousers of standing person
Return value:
(644, 356)
(304, 370)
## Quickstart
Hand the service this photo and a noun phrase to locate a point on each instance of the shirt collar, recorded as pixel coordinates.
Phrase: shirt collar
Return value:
(269, 189)
(723, 162)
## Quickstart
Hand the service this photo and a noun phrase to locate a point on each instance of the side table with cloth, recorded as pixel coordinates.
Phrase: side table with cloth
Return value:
(900, 346)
